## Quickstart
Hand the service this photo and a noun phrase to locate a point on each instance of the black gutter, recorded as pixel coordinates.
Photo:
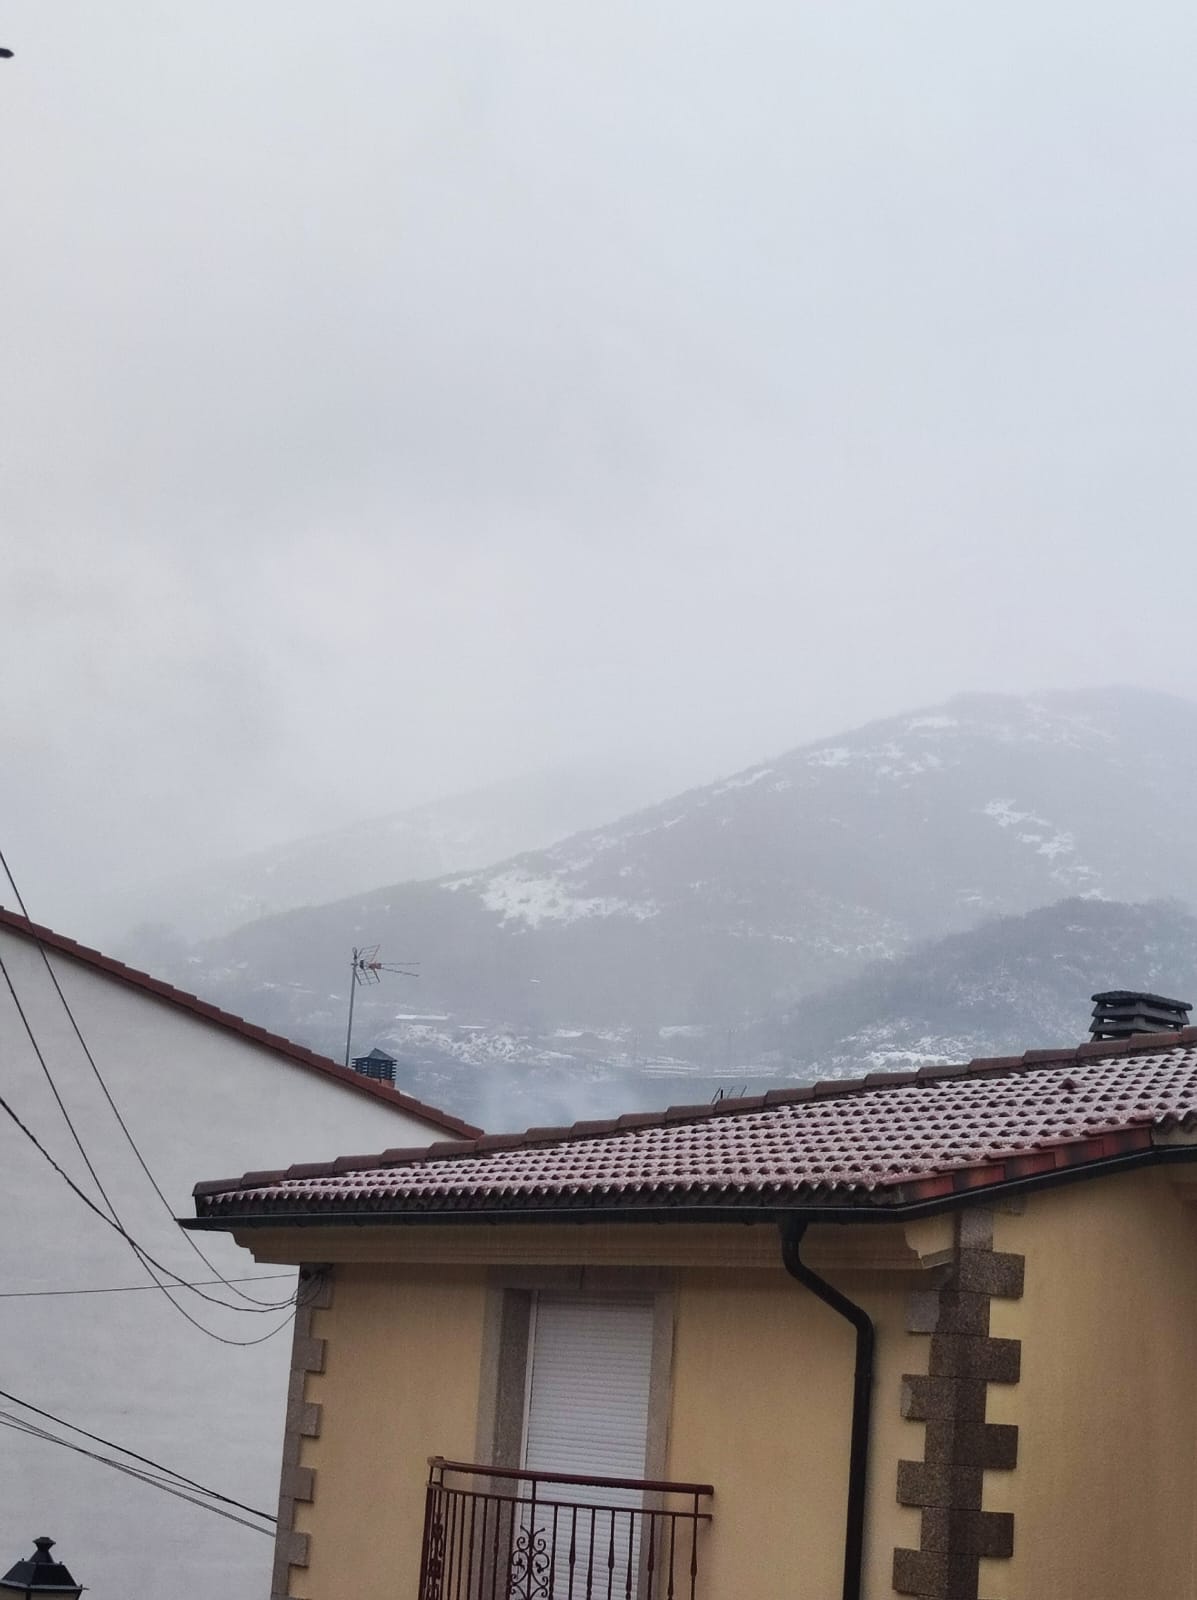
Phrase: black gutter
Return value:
(755, 1211)
(792, 1232)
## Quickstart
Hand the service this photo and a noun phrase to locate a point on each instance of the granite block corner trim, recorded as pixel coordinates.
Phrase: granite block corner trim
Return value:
(297, 1482)
(946, 1486)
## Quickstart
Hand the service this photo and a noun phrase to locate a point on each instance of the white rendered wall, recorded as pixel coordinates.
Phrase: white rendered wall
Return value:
(201, 1103)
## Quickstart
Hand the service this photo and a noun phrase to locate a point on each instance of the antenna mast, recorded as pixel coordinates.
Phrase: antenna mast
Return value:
(365, 968)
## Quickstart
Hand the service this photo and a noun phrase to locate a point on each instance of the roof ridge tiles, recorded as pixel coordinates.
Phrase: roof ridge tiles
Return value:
(733, 1103)
(691, 1113)
(493, 1141)
(450, 1147)
(1043, 1058)
(306, 1169)
(261, 1180)
(62, 944)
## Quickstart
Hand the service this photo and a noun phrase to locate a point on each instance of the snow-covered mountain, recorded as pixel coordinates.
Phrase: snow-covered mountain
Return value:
(1013, 984)
(659, 943)
(452, 834)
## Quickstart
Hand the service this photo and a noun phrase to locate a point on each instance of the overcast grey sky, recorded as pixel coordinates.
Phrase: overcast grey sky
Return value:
(400, 396)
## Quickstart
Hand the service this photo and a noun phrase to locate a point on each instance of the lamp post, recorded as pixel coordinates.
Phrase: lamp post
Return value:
(39, 1574)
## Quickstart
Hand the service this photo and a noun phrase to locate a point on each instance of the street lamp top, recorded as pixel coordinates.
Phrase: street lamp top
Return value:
(40, 1574)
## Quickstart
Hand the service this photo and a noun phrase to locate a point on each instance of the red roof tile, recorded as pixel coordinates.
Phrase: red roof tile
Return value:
(61, 945)
(943, 1131)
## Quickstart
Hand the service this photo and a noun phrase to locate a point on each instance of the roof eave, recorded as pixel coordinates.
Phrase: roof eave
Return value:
(902, 1202)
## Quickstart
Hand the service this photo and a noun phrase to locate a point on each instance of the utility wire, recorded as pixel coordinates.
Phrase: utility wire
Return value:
(149, 1478)
(113, 1220)
(146, 1461)
(115, 1109)
(147, 1261)
(143, 1255)
(134, 1288)
(49, 1077)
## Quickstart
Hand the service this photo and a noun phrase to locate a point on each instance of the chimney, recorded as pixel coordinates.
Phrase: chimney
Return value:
(377, 1065)
(1121, 1013)
(39, 1574)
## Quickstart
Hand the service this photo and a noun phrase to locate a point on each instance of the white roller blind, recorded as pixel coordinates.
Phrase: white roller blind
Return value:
(590, 1363)
(590, 1366)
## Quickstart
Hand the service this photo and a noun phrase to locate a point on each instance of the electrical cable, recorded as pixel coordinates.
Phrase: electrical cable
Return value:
(124, 1127)
(49, 1077)
(143, 1255)
(113, 1221)
(146, 1461)
(18, 1426)
(147, 1261)
(133, 1288)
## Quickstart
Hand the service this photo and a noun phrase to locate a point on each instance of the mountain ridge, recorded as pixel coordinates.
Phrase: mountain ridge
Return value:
(665, 936)
(455, 833)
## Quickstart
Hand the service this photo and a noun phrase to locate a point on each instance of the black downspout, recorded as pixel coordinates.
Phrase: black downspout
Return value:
(792, 1232)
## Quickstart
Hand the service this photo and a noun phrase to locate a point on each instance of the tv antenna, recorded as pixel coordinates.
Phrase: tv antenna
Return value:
(365, 969)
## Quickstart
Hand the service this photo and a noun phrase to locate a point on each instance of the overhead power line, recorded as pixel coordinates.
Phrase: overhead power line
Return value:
(18, 1426)
(115, 1109)
(134, 1455)
(143, 1255)
(134, 1288)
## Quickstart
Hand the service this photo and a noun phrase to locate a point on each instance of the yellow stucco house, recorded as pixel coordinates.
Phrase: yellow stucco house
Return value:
(921, 1334)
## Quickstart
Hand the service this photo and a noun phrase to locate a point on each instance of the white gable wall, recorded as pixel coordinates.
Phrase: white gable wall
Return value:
(201, 1102)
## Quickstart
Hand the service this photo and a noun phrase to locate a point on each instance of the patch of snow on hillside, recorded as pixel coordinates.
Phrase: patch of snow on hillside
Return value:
(1060, 844)
(881, 1048)
(1004, 814)
(1057, 844)
(745, 780)
(889, 760)
(521, 897)
(931, 722)
(1045, 724)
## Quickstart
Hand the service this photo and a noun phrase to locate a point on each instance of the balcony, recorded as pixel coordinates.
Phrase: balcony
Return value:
(492, 1533)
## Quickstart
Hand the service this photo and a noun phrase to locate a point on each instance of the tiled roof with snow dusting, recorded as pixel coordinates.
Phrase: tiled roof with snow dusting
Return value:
(882, 1140)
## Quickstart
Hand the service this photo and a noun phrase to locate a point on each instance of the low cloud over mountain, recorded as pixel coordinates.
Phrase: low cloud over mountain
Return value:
(678, 939)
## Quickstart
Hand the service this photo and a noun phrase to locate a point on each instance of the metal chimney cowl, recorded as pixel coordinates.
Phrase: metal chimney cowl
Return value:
(39, 1574)
(1123, 1013)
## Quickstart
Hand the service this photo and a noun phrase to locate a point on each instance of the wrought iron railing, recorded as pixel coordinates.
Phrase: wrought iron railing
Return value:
(493, 1533)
